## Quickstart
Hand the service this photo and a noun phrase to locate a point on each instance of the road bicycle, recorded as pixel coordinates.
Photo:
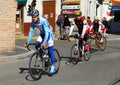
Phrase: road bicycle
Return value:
(98, 42)
(40, 62)
(78, 49)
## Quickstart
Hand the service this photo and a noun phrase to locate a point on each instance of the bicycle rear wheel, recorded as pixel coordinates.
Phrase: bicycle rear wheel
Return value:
(35, 66)
(92, 45)
(75, 52)
(103, 44)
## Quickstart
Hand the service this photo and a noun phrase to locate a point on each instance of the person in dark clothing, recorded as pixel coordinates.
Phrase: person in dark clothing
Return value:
(66, 28)
(66, 22)
(59, 22)
(105, 23)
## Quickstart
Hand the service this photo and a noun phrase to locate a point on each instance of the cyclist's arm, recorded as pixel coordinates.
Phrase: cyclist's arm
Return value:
(46, 27)
(91, 27)
(100, 26)
(31, 32)
(85, 27)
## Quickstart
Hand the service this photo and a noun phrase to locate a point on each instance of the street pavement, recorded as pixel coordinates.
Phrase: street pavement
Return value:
(21, 52)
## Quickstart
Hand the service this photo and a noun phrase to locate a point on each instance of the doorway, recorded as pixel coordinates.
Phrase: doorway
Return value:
(49, 10)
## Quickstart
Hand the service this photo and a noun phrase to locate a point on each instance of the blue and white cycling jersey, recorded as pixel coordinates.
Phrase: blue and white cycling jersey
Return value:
(44, 27)
(45, 35)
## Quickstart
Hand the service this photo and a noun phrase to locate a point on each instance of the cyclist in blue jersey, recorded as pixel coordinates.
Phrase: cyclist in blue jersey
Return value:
(45, 37)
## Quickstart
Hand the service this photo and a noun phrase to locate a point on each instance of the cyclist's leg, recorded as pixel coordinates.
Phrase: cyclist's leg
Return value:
(101, 34)
(38, 42)
(86, 39)
(80, 46)
(51, 53)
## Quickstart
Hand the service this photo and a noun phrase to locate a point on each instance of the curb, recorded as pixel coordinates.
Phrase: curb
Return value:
(4, 58)
(110, 37)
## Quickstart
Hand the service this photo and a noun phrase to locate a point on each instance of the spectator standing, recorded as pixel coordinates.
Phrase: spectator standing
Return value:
(105, 23)
(59, 22)
(66, 28)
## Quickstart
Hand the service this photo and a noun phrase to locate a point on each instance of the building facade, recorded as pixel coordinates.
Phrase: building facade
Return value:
(7, 25)
(92, 8)
(51, 8)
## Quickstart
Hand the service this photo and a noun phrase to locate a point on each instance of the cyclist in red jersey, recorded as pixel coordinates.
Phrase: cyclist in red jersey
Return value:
(83, 27)
(98, 27)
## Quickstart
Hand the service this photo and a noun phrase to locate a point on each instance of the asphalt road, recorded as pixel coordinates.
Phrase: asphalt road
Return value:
(102, 69)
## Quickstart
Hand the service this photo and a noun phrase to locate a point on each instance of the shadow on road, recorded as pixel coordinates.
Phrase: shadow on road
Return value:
(115, 81)
(25, 70)
(114, 47)
(68, 61)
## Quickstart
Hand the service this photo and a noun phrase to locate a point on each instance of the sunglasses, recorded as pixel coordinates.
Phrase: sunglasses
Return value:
(34, 16)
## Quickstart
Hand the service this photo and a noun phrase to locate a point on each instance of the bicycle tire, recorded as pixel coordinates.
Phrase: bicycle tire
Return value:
(92, 45)
(56, 60)
(35, 66)
(75, 51)
(87, 54)
(104, 44)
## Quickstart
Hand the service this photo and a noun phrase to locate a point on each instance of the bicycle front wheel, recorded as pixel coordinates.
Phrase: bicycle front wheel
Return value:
(92, 45)
(103, 44)
(75, 52)
(35, 66)
(56, 60)
(87, 54)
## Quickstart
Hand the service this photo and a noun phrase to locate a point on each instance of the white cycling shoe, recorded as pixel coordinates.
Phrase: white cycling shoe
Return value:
(52, 69)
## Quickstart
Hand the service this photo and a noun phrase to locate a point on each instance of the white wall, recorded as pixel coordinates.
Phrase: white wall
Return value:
(39, 6)
(87, 8)
(82, 7)
(58, 8)
(27, 18)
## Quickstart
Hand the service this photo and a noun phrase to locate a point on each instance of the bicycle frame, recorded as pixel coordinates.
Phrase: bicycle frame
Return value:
(78, 45)
(97, 37)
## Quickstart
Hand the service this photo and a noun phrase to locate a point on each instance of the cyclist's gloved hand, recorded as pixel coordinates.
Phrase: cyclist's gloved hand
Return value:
(43, 44)
(82, 36)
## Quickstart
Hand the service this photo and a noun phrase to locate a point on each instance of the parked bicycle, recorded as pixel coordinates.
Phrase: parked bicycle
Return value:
(79, 49)
(98, 42)
(40, 62)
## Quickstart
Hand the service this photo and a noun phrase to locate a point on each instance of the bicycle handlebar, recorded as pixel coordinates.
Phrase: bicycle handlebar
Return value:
(35, 44)
(29, 45)
(75, 36)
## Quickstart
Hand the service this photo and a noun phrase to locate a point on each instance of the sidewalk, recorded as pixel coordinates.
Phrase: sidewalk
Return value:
(18, 53)
(21, 52)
